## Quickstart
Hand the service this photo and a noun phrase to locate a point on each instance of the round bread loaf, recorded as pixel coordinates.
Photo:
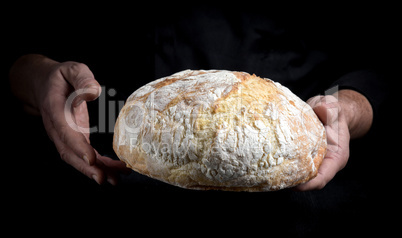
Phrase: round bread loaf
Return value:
(217, 129)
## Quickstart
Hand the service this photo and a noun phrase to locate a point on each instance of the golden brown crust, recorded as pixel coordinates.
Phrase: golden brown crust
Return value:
(220, 130)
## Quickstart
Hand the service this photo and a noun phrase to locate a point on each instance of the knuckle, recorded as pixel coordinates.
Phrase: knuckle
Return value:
(64, 154)
(83, 168)
(78, 73)
(318, 185)
(63, 133)
(75, 66)
(321, 185)
(330, 99)
(73, 69)
(343, 164)
(314, 100)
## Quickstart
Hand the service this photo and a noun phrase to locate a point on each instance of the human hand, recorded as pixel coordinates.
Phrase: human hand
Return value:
(68, 126)
(329, 111)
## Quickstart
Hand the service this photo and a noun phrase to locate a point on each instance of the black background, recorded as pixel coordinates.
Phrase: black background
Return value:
(117, 42)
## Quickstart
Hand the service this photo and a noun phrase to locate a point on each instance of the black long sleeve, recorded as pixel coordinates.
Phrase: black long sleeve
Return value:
(367, 82)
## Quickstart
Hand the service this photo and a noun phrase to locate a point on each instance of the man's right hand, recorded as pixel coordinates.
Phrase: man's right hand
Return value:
(45, 85)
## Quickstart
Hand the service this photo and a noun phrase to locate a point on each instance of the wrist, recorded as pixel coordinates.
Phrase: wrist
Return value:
(44, 67)
(347, 107)
(28, 77)
(357, 112)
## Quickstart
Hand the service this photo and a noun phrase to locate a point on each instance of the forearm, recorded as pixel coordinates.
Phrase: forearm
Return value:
(27, 76)
(357, 111)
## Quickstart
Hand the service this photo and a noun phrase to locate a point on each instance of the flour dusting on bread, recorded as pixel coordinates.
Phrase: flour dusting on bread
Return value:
(218, 129)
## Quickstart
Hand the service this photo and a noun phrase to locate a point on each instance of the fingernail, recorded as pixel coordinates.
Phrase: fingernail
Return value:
(94, 177)
(112, 181)
(85, 157)
(93, 89)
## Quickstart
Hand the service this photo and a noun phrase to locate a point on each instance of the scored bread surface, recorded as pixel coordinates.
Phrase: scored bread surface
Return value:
(217, 129)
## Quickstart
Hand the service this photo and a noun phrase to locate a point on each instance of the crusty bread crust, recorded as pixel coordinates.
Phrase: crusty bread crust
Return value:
(219, 129)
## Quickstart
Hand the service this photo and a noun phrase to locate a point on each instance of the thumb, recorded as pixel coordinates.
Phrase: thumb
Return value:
(83, 81)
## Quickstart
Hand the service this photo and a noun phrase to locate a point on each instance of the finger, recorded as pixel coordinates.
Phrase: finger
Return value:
(314, 100)
(326, 173)
(72, 159)
(115, 165)
(88, 93)
(83, 81)
(82, 119)
(111, 176)
(326, 108)
(112, 168)
(68, 132)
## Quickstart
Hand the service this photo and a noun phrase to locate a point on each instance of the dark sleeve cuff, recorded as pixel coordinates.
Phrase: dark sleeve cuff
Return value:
(369, 83)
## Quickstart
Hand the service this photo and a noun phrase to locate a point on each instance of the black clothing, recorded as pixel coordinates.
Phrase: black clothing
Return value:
(307, 51)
